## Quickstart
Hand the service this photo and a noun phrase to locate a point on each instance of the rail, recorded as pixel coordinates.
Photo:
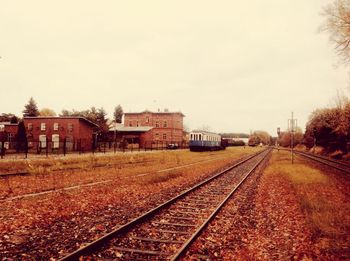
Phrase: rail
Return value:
(126, 228)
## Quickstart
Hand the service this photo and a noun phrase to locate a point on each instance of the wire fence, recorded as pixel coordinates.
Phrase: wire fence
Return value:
(46, 148)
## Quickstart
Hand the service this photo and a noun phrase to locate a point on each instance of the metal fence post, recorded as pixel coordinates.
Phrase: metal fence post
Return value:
(64, 146)
(26, 148)
(47, 146)
(2, 149)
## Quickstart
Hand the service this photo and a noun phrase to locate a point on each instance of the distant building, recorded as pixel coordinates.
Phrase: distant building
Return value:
(165, 127)
(75, 133)
(8, 133)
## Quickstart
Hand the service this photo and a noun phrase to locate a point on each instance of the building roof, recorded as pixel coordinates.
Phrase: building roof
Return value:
(65, 117)
(205, 132)
(158, 112)
(7, 123)
(120, 128)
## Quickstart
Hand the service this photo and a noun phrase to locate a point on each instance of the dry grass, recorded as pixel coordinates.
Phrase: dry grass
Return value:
(325, 206)
(55, 173)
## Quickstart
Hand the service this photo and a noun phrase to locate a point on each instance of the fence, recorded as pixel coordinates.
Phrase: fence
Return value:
(79, 146)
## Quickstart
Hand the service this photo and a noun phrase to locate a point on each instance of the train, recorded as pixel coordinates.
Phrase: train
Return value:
(206, 141)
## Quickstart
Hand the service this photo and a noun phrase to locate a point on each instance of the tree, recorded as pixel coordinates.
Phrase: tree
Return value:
(258, 137)
(101, 120)
(97, 116)
(21, 136)
(118, 114)
(47, 112)
(330, 127)
(8, 117)
(285, 138)
(338, 24)
(31, 109)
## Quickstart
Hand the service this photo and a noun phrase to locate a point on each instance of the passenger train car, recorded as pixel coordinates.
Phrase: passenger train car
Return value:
(203, 141)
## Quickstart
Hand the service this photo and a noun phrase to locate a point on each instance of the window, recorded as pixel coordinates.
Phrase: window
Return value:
(157, 136)
(70, 127)
(55, 126)
(43, 126)
(55, 141)
(130, 123)
(165, 124)
(147, 119)
(30, 126)
(164, 136)
(157, 124)
(137, 123)
(42, 140)
(2, 127)
(10, 136)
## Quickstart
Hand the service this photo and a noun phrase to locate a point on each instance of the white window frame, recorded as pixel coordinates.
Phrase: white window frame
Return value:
(55, 126)
(55, 141)
(42, 140)
(43, 126)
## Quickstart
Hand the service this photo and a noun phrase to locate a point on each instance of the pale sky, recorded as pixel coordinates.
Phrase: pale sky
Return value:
(235, 66)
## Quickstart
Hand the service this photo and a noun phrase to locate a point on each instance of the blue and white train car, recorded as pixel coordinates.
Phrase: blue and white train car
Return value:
(204, 141)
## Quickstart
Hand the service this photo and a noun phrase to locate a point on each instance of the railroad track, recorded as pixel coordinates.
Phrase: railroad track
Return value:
(339, 165)
(165, 232)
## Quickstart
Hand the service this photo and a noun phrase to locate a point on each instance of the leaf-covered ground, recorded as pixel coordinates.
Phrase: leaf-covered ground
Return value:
(298, 212)
(50, 225)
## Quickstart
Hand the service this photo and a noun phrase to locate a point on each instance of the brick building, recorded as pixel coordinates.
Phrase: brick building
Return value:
(8, 133)
(75, 133)
(167, 127)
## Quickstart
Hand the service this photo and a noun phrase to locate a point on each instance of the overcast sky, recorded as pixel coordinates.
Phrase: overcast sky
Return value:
(235, 66)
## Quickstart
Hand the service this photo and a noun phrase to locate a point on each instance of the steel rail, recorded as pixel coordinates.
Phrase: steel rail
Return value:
(89, 248)
(321, 159)
(326, 162)
(183, 249)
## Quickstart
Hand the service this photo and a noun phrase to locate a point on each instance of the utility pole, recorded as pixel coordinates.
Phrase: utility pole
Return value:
(292, 124)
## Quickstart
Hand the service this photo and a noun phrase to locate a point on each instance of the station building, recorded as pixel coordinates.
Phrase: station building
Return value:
(149, 129)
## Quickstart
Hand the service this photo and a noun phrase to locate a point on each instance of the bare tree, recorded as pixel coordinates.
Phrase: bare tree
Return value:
(338, 24)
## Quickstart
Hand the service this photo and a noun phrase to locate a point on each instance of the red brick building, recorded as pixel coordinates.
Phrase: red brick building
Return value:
(75, 133)
(8, 133)
(167, 127)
